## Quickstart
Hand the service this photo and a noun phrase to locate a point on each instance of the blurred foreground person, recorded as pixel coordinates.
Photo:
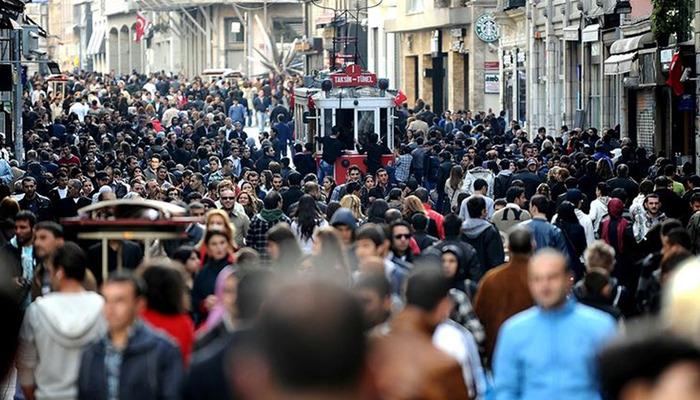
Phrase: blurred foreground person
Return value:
(650, 365)
(681, 302)
(207, 377)
(406, 363)
(311, 341)
(503, 291)
(547, 351)
(56, 328)
(132, 361)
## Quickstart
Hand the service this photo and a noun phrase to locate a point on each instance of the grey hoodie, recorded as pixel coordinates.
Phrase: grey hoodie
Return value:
(55, 330)
(473, 227)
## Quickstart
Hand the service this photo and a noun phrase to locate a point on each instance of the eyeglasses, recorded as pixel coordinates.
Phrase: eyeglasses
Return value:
(228, 198)
(402, 236)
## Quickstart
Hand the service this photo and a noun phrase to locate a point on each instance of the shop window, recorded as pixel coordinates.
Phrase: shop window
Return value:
(414, 6)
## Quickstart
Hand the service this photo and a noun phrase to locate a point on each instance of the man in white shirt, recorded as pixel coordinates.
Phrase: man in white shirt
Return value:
(79, 108)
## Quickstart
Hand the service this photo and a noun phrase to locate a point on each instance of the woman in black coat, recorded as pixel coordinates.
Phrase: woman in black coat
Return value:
(574, 234)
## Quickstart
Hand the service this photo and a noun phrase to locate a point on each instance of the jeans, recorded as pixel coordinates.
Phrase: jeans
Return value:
(262, 118)
(324, 169)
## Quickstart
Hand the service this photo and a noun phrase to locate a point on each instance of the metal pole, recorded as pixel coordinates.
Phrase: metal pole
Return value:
(19, 137)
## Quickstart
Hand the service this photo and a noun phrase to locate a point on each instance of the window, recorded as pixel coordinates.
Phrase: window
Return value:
(414, 6)
(647, 70)
(235, 30)
(285, 30)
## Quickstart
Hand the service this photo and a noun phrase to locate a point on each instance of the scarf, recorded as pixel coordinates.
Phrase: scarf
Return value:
(271, 215)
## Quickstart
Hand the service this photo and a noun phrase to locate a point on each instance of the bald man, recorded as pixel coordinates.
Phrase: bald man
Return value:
(548, 351)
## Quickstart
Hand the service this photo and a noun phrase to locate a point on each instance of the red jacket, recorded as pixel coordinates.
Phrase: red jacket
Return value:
(178, 327)
(437, 218)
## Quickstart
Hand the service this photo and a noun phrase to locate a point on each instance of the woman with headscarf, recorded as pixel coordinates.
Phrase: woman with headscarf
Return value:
(222, 316)
(574, 235)
(617, 232)
(218, 245)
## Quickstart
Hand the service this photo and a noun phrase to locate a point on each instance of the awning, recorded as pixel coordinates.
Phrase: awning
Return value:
(590, 33)
(571, 32)
(619, 63)
(96, 42)
(631, 44)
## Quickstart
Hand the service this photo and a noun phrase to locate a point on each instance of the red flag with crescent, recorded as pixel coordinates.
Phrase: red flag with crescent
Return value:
(140, 27)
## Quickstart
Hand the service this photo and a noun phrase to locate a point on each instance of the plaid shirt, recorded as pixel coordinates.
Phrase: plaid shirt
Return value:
(257, 233)
(403, 167)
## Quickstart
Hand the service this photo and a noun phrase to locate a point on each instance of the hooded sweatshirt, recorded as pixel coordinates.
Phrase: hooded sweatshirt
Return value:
(55, 330)
(487, 242)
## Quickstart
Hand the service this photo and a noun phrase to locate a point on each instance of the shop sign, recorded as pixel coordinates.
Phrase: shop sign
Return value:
(486, 28)
(492, 83)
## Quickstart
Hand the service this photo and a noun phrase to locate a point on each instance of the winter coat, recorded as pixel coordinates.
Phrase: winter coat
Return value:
(151, 368)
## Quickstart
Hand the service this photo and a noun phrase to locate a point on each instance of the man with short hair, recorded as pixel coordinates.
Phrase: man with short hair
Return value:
(543, 232)
(513, 213)
(48, 237)
(315, 315)
(332, 148)
(371, 241)
(354, 175)
(374, 292)
(17, 257)
(483, 236)
(436, 228)
(572, 331)
(131, 361)
(652, 215)
(503, 291)
(269, 216)
(57, 326)
(152, 171)
(408, 365)
(34, 202)
(239, 219)
(293, 194)
(74, 200)
(481, 188)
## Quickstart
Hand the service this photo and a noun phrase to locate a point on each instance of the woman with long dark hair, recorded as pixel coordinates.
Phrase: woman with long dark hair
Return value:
(307, 219)
(574, 235)
(166, 304)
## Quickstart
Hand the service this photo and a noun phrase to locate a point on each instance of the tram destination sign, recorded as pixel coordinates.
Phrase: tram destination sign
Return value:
(353, 76)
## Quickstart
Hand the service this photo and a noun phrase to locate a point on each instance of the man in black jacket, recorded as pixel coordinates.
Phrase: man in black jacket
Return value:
(332, 150)
(374, 151)
(131, 361)
(623, 181)
(293, 194)
(482, 235)
(34, 202)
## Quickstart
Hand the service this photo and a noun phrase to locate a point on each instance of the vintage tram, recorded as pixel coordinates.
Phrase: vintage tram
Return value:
(352, 100)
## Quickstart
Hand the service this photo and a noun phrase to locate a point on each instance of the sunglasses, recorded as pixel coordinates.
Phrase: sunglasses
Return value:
(402, 236)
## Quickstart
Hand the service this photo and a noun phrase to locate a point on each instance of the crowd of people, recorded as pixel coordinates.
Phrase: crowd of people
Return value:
(482, 262)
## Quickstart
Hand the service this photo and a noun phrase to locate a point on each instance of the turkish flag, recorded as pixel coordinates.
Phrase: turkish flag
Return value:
(140, 27)
(400, 98)
(675, 71)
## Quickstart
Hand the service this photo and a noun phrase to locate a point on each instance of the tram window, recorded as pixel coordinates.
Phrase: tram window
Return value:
(383, 126)
(365, 125)
(327, 121)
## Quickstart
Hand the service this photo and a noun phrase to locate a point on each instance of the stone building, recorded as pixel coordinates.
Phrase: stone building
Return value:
(442, 58)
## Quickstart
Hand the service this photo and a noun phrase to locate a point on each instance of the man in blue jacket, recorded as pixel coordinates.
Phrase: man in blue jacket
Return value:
(132, 361)
(543, 232)
(548, 351)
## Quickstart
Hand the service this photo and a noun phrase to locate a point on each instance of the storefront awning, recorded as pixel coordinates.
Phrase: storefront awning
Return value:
(325, 19)
(590, 33)
(96, 42)
(619, 63)
(571, 32)
(633, 43)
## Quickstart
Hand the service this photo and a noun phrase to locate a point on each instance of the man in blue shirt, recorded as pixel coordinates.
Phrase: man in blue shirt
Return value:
(548, 351)
(237, 112)
(543, 232)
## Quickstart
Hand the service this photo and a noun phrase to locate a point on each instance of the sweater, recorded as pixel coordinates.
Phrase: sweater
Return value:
(550, 354)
